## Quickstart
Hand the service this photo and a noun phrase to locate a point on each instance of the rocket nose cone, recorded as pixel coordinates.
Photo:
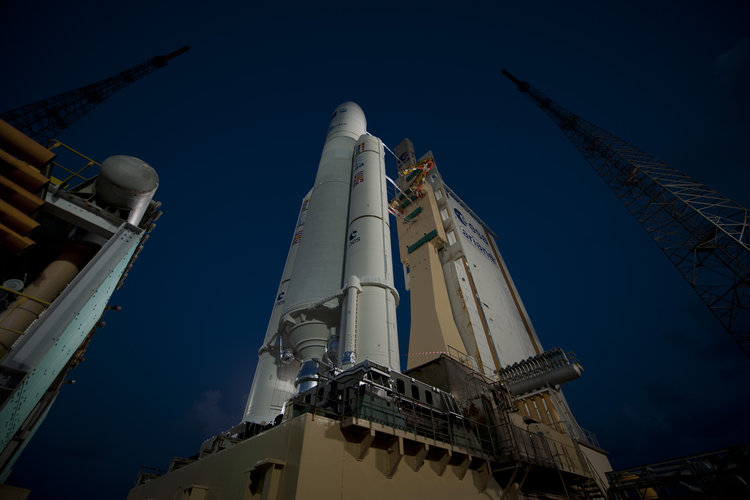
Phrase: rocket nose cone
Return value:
(347, 119)
(351, 105)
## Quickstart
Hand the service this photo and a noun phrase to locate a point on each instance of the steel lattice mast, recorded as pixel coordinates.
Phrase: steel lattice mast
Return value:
(43, 120)
(704, 234)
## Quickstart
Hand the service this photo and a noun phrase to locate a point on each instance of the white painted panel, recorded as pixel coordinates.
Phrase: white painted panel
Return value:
(506, 327)
(483, 348)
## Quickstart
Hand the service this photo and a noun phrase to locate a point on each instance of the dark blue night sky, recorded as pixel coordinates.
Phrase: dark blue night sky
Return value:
(235, 128)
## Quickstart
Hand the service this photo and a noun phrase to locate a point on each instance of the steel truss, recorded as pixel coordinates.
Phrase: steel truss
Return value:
(704, 234)
(43, 120)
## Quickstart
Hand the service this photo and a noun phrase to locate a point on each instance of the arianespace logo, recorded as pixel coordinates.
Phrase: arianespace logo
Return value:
(353, 238)
(475, 236)
(460, 216)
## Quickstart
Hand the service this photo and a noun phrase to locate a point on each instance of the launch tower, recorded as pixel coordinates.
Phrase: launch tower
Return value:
(463, 300)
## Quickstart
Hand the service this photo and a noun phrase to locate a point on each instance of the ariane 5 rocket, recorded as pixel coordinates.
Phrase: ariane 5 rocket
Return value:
(336, 303)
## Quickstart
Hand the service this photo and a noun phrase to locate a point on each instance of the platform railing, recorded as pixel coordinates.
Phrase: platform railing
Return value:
(70, 179)
(378, 405)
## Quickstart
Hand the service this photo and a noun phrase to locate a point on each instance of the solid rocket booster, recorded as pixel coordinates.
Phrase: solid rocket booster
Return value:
(312, 312)
(273, 383)
(369, 307)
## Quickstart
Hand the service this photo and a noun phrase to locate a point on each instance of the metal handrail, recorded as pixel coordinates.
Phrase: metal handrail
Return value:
(411, 415)
(63, 184)
(462, 358)
(21, 294)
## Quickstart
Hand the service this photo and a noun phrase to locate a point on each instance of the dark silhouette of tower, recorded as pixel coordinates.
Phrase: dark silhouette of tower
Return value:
(42, 120)
(704, 234)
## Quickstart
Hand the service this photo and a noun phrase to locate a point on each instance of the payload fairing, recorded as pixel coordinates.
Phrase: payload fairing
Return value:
(336, 302)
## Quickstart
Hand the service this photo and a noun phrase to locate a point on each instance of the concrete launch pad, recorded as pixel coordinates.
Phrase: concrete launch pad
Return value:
(371, 433)
(312, 456)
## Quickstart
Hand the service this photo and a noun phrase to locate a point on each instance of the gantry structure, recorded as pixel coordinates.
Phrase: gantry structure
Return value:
(703, 233)
(42, 120)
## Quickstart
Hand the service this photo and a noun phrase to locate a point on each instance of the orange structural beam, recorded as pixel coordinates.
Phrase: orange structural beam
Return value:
(21, 172)
(16, 220)
(23, 147)
(18, 196)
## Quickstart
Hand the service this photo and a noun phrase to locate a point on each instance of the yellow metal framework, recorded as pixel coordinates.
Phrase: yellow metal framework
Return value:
(73, 175)
(20, 294)
(20, 303)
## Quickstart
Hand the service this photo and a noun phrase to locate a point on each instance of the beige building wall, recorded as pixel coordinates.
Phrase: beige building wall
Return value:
(433, 329)
(311, 457)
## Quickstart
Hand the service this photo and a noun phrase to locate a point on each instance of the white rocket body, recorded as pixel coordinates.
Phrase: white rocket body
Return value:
(310, 319)
(336, 300)
(369, 307)
(273, 383)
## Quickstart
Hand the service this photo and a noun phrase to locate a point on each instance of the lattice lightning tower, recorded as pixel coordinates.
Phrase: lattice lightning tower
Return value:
(704, 234)
(43, 120)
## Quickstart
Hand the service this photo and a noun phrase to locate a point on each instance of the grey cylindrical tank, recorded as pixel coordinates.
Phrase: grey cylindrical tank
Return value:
(319, 263)
(126, 182)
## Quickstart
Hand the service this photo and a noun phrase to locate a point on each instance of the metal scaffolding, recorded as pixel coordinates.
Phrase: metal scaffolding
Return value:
(704, 234)
(43, 120)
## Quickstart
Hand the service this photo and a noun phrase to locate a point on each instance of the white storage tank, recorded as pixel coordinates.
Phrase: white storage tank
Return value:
(126, 183)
